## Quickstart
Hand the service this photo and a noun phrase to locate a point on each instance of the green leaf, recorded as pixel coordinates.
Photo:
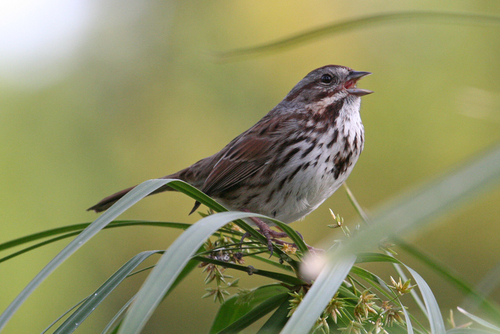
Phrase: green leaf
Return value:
(38, 245)
(278, 320)
(113, 224)
(419, 206)
(373, 279)
(479, 320)
(416, 207)
(291, 280)
(232, 310)
(452, 277)
(467, 331)
(255, 314)
(187, 269)
(114, 323)
(80, 227)
(272, 263)
(171, 264)
(318, 297)
(359, 23)
(118, 208)
(95, 299)
(375, 257)
(433, 311)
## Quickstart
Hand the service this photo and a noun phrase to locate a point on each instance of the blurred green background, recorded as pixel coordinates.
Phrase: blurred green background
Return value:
(96, 96)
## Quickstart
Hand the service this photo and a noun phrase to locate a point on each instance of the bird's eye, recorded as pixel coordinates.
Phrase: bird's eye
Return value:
(326, 79)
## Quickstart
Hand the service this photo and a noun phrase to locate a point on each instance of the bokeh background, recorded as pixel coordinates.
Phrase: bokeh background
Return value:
(96, 96)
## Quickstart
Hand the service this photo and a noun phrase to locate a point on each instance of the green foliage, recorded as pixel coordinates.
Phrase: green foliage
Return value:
(364, 22)
(335, 295)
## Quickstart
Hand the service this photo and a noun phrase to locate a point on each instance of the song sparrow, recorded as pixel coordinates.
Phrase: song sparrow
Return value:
(291, 160)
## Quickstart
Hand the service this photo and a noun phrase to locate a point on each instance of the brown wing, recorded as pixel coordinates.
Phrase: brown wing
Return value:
(244, 158)
(249, 152)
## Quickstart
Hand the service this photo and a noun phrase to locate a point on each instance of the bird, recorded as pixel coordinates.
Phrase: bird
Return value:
(289, 162)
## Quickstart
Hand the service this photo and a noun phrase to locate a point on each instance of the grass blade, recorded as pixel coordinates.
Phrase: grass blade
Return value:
(171, 264)
(467, 331)
(232, 309)
(435, 198)
(118, 208)
(113, 322)
(317, 298)
(187, 269)
(452, 277)
(479, 320)
(278, 320)
(433, 311)
(363, 22)
(77, 231)
(256, 313)
(287, 279)
(38, 245)
(80, 227)
(95, 299)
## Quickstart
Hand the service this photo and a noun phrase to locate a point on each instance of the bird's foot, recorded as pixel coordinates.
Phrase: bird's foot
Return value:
(274, 236)
(270, 234)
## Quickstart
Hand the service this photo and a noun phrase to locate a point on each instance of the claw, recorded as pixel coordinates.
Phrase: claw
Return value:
(267, 232)
(246, 235)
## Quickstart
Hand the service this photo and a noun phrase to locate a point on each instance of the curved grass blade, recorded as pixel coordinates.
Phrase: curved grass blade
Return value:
(433, 311)
(428, 202)
(453, 278)
(95, 299)
(187, 269)
(80, 227)
(479, 320)
(63, 315)
(113, 224)
(317, 298)
(255, 314)
(135, 195)
(359, 210)
(278, 320)
(170, 265)
(43, 234)
(473, 294)
(38, 245)
(363, 22)
(118, 208)
(467, 331)
(272, 263)
(375, 257)
(435, 198)
(376, 281)
(413, 292)
(419, 206)
(287, 279)
(235, 308)
(113, 324)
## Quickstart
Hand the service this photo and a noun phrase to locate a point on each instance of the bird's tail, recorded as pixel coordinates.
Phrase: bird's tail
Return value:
(105, 203)
(194, 175)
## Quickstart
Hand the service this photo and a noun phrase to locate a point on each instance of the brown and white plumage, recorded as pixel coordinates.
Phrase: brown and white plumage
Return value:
(291, 160)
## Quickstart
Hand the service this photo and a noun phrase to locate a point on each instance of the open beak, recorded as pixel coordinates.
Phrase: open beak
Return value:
(351, 80)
